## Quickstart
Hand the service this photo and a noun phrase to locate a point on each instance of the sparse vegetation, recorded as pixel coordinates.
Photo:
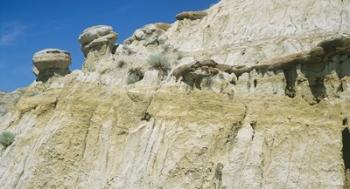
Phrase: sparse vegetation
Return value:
(159, 62)
(6, 138)
(121, 63)
(135, 75)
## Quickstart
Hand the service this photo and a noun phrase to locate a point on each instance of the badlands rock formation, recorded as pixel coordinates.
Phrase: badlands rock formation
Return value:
(49, 62)
(96, 42)
(254, 95)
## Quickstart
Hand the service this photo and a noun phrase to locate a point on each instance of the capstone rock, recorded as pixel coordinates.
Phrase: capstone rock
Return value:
(49, 62)
(97, 38)
(97, 44)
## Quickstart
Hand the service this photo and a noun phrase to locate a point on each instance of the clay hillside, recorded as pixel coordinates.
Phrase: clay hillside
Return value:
(251, 94)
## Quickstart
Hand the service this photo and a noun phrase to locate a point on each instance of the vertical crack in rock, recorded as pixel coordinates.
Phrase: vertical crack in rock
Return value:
(19, 177)
(314, 72)
(25, 162)
(245, 112)
(290, 75)
(253, 125)
(236, 126)
(340, 89)
(87, 133)
(98, 134)
(161, 142)
(146, 115)
(255, 83)
(318, 88)
(346, 156)
(218, 175)
(233, 132)
(345, 121)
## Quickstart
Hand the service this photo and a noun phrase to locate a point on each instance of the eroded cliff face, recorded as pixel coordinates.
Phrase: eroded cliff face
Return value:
(250, 94)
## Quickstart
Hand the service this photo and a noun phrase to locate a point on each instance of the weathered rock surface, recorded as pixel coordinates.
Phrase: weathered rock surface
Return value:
(93, 38)
(255, 95)
(192, 15)
(152, 34)
(97, 41)
(49, 62)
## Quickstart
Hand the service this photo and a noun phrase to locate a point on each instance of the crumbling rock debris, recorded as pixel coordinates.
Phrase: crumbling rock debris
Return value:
(207, 68)
(193, 74)
(151, 34)
(100, 38)
(49, 62)
(196, 71)
(191, 15)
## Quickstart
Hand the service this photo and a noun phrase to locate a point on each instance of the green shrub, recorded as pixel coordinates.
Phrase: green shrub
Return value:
(159, 62)
(135, 75)
(7, 138)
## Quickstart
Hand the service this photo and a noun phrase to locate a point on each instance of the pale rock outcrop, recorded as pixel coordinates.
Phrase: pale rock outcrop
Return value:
(246, 32)
(50, 62)
(255, 96)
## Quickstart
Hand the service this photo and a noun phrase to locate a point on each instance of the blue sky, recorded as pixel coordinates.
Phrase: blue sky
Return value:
(27, 26)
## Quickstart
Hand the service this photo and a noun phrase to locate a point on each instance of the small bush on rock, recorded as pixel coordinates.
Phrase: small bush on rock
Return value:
(6, 138)
(135, 75)
(159, 62)
(121, 63)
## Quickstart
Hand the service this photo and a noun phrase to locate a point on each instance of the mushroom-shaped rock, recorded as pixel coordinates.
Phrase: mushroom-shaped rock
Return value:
(49, 62)
(100, 38)
(191, 15)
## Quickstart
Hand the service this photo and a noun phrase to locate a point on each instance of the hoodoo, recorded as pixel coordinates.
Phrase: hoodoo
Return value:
(49, 62)
(97, 41)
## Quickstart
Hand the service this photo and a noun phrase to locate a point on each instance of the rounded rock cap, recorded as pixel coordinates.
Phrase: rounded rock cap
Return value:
(95, 32)
(51, 58)
(51, 51)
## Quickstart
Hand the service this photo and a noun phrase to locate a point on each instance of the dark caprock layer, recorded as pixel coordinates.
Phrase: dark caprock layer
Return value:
(315, 64)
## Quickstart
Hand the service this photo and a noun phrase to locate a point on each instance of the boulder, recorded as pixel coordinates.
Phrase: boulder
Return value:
(100, 38)
(49, 62)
